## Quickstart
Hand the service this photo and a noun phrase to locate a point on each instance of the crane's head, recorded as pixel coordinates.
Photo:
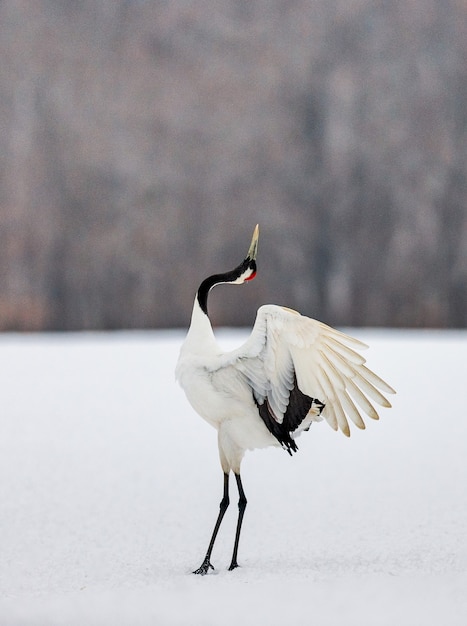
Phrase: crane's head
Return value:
(242, 273)
(247, 269)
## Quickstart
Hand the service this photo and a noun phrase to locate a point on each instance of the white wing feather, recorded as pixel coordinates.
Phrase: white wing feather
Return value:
(285, 345)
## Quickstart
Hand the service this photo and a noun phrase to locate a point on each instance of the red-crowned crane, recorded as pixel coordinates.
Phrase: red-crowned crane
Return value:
(292, 371)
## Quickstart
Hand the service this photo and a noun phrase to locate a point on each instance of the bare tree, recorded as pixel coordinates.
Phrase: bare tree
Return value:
(141, 141)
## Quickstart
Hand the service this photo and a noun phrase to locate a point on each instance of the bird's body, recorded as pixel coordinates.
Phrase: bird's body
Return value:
(221, 394)
(291, 372)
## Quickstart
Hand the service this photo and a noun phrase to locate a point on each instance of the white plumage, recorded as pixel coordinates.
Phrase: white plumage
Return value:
(291, 371)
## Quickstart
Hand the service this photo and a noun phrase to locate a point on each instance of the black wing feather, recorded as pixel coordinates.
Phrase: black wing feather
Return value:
(297, 409)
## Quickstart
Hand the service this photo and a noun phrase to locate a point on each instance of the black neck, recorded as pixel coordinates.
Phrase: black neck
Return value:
(217, 279)
(208, 284)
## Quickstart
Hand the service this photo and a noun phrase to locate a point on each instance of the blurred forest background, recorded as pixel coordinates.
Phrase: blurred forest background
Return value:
(141, 141)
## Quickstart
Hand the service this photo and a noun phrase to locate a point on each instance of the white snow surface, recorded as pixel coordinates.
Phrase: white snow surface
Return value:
(110, 485)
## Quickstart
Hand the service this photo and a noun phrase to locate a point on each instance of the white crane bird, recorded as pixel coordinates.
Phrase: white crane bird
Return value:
(292, 371)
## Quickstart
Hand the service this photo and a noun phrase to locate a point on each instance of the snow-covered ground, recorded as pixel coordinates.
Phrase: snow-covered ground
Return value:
(110, 484)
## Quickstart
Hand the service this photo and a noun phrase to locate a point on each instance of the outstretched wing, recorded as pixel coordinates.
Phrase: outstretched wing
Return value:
(292, 359)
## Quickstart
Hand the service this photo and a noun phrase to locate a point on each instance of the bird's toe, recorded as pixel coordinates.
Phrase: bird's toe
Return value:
(204, 569)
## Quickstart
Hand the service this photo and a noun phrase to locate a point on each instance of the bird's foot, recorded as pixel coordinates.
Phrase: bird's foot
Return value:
(233, 566)
(205, 567)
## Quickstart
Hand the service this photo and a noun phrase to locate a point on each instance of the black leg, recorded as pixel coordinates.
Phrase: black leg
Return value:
(241, 510)
(206, 564)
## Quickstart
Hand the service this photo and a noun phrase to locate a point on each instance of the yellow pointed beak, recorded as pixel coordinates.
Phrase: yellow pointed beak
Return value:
(253, 249)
